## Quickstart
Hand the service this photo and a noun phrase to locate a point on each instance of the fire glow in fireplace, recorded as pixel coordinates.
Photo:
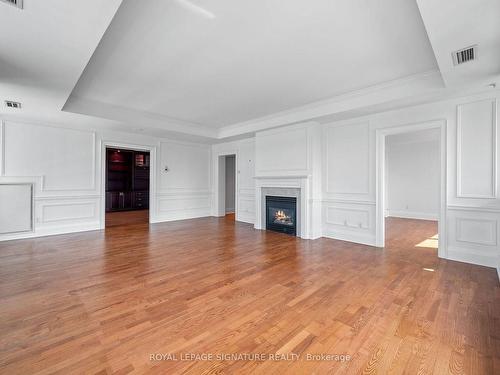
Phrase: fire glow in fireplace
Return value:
(281, 214)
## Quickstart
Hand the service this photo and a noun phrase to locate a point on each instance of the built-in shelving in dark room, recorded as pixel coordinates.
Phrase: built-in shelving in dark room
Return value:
(127, 180)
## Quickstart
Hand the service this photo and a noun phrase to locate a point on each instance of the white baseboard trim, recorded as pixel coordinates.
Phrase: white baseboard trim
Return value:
(363, 239)
(412, 215)
(248, 219)
(315, 236)
(43, 232)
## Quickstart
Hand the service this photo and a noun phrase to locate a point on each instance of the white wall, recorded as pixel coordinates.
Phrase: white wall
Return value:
(184, 191)
(65, 166)
(472, 193)
(245, 172)
(413, 174)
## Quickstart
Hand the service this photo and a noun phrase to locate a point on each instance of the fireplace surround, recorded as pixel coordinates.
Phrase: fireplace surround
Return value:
(281, 214)
(268, 187)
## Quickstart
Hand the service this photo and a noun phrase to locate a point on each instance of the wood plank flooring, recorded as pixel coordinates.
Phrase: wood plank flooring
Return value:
(117, 218)
(103, 302)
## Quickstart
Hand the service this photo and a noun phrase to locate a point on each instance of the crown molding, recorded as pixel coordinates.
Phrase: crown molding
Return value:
(410, 86)
(412, 90)
(145, 119)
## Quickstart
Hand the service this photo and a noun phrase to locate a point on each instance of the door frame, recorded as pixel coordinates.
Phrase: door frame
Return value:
(220, 184)
(381, 135)
(152, 176)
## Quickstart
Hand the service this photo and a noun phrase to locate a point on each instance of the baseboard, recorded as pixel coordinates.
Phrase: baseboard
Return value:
(412, 215)
(243, 219)
(360, 238)
(43, 232)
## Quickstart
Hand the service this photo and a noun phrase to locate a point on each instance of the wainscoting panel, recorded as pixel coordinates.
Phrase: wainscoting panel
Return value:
(246, 208)
(349, 221)
(182, 206)
(63, 214)
(66, 211)
(476, 231)
(348, 217)
(473, 236)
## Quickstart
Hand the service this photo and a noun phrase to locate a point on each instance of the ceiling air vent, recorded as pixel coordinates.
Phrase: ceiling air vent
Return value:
(465, 55)
(11, 104)
(16, 3)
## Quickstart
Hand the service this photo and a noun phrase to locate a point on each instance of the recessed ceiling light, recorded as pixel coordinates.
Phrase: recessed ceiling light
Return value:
(12, 104)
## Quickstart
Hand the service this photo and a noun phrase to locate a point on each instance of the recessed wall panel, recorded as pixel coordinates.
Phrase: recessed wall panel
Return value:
(476, 150)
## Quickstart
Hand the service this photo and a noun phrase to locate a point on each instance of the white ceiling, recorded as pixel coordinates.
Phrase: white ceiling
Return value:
(210, 69)
(456, 24)
(252, 58)
(43, 51)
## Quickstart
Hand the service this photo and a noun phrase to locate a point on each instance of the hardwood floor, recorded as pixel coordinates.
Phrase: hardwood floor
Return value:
(105, 301)
(127, 217)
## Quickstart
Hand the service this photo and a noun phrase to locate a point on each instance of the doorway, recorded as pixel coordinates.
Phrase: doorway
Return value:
(412, 189)
(227, 186)
(411, 186)
(127, 186)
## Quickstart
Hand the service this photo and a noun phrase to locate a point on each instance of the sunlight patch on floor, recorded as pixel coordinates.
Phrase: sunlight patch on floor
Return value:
(431, 242)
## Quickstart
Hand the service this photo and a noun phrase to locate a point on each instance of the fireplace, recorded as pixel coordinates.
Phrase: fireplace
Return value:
(281, 214)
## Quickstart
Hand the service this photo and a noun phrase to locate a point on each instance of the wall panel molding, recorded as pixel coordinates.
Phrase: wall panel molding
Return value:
(182, 203)
(26, 145)
(271, 146)
(93, 186)
(349, 201)
(472, 231)
(58, 212)
(473, 208)
(355, 154)
(348, 217)
(473, 121)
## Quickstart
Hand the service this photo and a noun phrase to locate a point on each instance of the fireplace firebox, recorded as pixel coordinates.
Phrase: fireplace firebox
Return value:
(281, 214)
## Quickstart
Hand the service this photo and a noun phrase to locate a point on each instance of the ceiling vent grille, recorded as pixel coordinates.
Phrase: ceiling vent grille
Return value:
(16, 3)
(465, 55)
(11, 104)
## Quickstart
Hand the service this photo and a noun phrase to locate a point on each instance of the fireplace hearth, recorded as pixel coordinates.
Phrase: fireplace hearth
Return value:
(281, 214)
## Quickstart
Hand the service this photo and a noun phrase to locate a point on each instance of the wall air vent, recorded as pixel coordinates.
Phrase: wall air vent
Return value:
(465, 55)
(11, 104)
(16, 3)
